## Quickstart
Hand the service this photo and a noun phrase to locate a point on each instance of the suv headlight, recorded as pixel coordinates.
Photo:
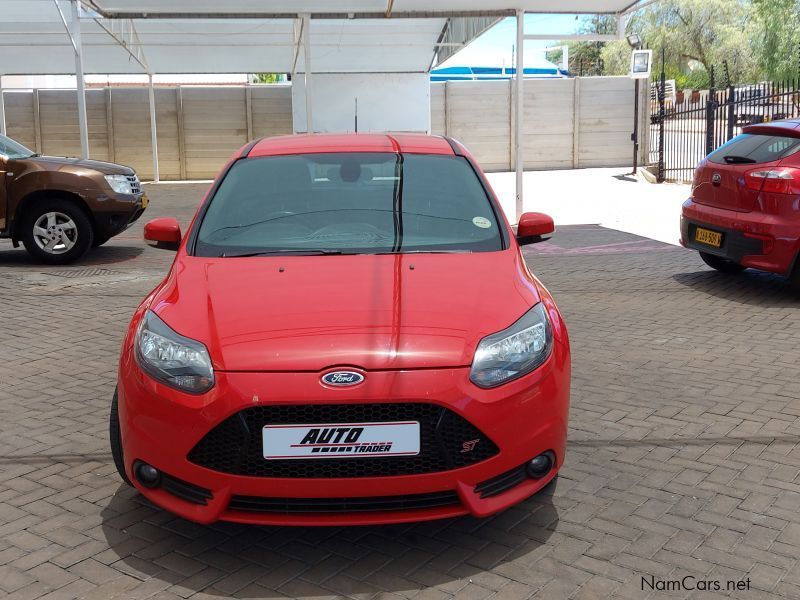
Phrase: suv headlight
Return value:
(513, 352)
(172, 359)
(120, 184)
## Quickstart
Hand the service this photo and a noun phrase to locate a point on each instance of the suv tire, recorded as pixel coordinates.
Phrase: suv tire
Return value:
(115, 438)
(56, 231)
(723, 265)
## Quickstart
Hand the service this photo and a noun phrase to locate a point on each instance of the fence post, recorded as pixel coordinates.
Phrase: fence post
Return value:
(710, 106)
(731, 111)
(661, 93)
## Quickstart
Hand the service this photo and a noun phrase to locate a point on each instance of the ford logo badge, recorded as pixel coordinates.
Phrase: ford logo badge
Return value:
(342, 378)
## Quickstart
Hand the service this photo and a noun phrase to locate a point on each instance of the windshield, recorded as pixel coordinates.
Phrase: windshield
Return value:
(12, 149)
(364, 203)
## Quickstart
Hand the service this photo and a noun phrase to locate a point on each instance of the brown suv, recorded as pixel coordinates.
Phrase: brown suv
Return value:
(60, 207)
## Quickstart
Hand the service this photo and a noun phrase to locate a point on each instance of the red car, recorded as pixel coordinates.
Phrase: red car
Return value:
(745, 205)
(348, 335)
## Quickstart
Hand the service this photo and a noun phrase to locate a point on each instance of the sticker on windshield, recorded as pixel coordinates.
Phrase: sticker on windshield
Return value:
(482, 222)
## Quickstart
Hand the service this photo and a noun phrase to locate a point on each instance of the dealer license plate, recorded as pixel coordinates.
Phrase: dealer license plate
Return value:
(705, 236)
(340, 440)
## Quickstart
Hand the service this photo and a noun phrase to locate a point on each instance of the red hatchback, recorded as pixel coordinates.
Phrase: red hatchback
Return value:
(745, 205)
(348, 335)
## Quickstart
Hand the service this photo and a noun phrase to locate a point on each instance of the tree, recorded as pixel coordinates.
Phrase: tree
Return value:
(778, 45)
(267, 78)
(586, 57)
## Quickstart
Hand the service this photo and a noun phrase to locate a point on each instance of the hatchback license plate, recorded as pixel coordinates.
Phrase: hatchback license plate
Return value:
(340, 440)
(706, 236)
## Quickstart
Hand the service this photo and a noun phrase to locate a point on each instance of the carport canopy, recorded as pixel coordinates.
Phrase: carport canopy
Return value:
(251, 36)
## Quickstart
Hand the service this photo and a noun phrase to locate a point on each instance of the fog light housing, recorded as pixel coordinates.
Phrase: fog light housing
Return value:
(147, 475)
(541, 465)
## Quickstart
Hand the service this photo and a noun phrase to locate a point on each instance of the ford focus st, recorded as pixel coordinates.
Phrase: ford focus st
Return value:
(348, 335)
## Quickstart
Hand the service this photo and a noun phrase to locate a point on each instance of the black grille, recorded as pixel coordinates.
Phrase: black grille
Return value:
(187, 491)
(343, 505)
(235, 445)
(501, 483)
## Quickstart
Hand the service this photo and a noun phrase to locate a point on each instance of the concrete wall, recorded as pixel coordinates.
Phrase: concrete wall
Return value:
(582, 122)
(198, 127)
(568, 123)
(385, 101)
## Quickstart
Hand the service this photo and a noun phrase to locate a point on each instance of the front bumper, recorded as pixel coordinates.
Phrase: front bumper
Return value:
(523, 419)
(754, 239)
(118, 213)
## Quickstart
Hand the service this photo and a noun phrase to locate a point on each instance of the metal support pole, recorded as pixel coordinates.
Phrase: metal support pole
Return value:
(75, 34)
(635, 134)
(710, 110)
(661, 115)
(519, 76)
(2, 109)
(307, 71)
(153, 130)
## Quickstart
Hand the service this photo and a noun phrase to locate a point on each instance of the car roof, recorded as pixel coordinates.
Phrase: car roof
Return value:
(406, 143)
(775, 127)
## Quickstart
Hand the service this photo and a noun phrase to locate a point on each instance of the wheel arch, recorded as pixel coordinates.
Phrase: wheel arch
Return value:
(30, 200)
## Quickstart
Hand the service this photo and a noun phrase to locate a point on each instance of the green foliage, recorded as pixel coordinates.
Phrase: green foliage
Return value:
(778, 45)
(268, 77)
(759, 39)
(588, 55)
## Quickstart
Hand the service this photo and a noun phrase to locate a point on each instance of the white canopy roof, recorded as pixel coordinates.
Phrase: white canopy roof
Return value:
(235, 36)
(373, 8)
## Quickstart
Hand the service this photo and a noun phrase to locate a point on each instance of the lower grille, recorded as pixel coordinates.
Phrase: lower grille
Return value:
(184, 490)
(501, 483)
(235, 445)
(343, 505)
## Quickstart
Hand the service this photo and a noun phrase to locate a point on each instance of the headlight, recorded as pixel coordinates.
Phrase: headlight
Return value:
(172, 359)
(120, 184)
(513, 352)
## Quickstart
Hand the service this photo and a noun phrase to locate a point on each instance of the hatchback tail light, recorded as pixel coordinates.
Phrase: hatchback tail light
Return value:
(780, 180)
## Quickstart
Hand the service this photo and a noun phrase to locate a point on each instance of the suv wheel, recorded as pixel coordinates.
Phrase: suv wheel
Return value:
(56, 231)
(723, 265)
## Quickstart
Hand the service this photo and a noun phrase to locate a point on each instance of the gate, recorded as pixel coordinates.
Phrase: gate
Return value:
(683, 130)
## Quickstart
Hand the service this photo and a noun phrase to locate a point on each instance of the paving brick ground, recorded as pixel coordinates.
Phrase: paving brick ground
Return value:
(683, 457)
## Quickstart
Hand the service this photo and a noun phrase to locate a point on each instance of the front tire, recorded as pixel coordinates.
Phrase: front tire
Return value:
(723, 265)
(56, 231)
(115, 438)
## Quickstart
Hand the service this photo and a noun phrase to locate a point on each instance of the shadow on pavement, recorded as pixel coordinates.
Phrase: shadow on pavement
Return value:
(242, 561)
(750, 287)
(104, 255)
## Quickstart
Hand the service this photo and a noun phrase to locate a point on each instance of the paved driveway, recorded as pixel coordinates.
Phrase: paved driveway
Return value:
(683, 460)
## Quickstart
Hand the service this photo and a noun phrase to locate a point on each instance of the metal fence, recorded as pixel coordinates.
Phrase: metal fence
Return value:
(684, 130)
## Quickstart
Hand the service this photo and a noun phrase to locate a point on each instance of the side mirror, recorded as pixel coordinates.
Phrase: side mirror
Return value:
(163, 233)
(534, 227)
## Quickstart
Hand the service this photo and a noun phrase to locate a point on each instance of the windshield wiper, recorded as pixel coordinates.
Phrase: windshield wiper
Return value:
(428, 252)
(733, 159)
(309, 252)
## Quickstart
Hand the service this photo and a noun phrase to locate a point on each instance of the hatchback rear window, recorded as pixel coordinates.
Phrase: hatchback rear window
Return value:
(749, 148)
(362, 203)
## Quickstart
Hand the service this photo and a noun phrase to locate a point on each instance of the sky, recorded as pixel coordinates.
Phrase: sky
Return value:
(495, 45)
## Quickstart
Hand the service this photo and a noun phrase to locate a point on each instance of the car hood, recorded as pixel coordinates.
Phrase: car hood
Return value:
(72, 164)
(308, 313)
